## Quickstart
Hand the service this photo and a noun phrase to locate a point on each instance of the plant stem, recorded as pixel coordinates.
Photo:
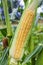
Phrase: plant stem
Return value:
(7, 19)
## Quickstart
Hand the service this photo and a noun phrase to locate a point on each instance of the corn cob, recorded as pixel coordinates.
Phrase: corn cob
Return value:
(22, 34)
(22, 31)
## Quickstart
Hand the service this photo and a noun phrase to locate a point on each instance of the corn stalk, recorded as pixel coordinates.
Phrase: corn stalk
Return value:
(7, 19)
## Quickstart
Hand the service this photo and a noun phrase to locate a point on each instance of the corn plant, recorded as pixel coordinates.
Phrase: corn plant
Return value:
(26, 46)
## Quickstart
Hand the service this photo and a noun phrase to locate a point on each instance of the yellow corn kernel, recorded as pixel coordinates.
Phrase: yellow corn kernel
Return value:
(23, 32)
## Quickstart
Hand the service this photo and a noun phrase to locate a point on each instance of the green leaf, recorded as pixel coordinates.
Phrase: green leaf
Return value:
(34, 53)
(40, 59)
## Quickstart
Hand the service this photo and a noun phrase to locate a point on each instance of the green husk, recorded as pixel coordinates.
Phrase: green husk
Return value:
(34, 2)
(7, 19)
(18, 27)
